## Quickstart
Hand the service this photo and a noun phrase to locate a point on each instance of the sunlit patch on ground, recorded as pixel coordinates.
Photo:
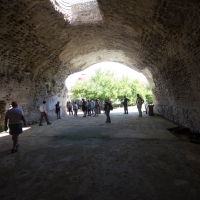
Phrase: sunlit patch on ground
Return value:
(3, 134)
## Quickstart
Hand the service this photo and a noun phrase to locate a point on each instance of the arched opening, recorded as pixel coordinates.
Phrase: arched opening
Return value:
(140, 33)
(113, 80)
(86, 158)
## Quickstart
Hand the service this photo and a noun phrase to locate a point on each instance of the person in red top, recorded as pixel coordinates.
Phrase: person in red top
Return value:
(14, 115)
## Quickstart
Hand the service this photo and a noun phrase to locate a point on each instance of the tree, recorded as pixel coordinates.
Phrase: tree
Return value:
(105, 85)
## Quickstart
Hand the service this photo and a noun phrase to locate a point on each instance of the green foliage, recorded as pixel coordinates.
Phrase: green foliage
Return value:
(105, 85)
(149, 98)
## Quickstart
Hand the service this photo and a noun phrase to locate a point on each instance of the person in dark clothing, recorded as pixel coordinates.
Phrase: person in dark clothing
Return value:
(84, 107)
(89, 108)
(107, 110)
(125, 105)
(58, 110)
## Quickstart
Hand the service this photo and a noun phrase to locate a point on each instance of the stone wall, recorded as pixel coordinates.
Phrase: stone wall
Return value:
(2, 114)
(39, 49)
(30, 94)
(86, 13)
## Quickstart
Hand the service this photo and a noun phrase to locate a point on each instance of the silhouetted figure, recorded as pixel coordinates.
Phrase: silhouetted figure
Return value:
(67, 105)
(89, 108)
(107, 110)
(58, 110)
(139, 102)
(99, 107)
(96, 108)
(92, 106)
(125, 105)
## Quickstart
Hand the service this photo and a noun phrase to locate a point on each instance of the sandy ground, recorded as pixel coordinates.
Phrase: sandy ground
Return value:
(80, 158)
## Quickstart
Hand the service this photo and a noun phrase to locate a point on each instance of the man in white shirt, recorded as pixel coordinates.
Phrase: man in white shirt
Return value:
(14, 115)
(43, 113)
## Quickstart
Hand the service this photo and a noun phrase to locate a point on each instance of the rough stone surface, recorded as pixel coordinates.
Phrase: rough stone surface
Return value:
(39, 49)
(2, 115)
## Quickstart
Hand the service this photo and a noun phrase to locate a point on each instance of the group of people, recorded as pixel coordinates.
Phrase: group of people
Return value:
(89, 108)
(15, 116)
(139, 102)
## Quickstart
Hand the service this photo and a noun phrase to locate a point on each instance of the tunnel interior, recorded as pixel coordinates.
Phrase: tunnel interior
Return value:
(41, 46)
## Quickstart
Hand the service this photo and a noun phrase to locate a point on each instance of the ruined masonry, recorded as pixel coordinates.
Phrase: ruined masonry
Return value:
(41, 46)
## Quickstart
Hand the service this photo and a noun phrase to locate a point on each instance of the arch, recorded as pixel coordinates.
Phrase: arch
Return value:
(159, 39)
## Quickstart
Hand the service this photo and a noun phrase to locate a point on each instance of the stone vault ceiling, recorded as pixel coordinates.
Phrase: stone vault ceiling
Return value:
(39, 49)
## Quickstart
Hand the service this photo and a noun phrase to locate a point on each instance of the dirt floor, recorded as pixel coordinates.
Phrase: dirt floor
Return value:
(77, 158)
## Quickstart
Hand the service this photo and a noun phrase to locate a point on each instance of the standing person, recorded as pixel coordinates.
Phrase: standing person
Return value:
(67, 105)
(92, 107)
(139, 102)
(75, 108)
(70, 108)
(43, 113)
(125, 105)
(107, 110)
(14, 115)
(96, 108)
(99, 106)
(84, 107)
(58, 110)
(89, 108)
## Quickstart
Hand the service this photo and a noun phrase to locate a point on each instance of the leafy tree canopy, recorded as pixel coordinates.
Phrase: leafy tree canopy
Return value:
(103, 84)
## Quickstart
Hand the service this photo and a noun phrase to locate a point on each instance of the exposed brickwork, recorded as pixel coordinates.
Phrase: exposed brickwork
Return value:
(2, 114)
(39, 49)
